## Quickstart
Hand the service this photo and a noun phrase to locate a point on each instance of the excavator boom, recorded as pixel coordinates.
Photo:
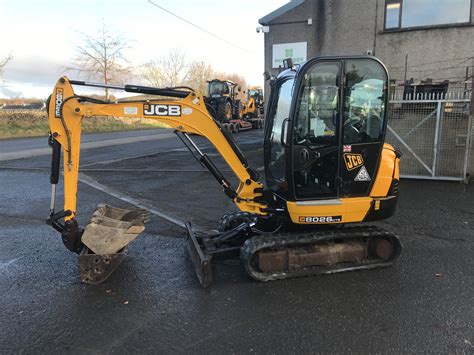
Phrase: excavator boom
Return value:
(186, 113)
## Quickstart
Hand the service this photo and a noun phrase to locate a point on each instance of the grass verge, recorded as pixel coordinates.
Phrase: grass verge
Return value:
(34, 123)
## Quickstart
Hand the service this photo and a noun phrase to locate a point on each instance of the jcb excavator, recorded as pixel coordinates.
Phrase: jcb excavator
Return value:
(253, 108)
(326, 167)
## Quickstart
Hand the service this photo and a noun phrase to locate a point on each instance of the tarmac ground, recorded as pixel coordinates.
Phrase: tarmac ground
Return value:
(153, 302)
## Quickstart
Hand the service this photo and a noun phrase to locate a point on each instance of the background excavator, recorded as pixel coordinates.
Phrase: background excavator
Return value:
(326, 167)
(255, 105)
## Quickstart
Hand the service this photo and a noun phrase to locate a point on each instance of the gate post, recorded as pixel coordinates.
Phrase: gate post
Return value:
(468, 136)
(436, 138)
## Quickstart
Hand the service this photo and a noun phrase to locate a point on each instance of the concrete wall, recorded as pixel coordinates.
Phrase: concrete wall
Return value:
(353, 27)
(290, 27)
(449, 44)
(350, 27)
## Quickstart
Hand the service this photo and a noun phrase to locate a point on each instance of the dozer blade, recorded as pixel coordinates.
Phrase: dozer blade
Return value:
(201, 262)
(106, 238)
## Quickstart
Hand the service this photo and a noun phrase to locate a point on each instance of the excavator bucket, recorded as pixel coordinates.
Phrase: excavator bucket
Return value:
(106, 238)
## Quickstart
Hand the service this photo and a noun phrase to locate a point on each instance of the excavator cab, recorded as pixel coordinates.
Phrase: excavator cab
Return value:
(325, 129)
(256, 93)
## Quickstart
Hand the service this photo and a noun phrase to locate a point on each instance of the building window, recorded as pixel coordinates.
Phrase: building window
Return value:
(419, 13)
(392, 14)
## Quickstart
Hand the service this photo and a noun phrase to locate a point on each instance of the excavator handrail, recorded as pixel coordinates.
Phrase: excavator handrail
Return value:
(138, 89)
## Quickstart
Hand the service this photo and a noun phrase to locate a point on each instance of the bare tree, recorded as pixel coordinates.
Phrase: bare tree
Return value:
(173, 69)
(4, 62)
(102, 57)
(199, 72)
(168, 71)
(236, 78)
(152, 74)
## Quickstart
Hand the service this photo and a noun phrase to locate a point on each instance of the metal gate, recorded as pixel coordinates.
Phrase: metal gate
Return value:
(433, 132)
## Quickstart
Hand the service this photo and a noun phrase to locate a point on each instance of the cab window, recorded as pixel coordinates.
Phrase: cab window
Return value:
(317, 106)
(364, 102)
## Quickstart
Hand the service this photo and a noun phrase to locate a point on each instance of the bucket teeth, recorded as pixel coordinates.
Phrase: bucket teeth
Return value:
(115, 223)
(110, 229)
(121, 214)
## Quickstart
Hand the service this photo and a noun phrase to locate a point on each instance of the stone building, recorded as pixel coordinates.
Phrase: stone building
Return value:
(419, 39)
(427, 46)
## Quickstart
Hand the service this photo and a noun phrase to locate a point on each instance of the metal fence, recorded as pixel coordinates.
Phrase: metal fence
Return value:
(433, 131)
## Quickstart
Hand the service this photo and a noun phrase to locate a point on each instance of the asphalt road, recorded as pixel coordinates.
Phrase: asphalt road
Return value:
(153, 302)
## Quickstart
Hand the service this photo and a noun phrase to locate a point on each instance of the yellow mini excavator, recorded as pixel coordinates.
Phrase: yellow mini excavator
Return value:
(326, 168)
(253, 108)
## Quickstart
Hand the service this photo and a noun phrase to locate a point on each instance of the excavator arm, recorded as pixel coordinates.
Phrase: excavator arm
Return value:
(185, 112)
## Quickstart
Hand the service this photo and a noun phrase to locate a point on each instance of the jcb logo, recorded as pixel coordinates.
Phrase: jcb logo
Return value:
(161, 110)
(58, 101)
(353, 160)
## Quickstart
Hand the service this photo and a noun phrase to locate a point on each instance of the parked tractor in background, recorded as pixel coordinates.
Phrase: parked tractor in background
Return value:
(221, 100)
(225, 106)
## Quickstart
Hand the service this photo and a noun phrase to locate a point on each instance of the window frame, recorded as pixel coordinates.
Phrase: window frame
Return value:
(401, 28)
(389, 2)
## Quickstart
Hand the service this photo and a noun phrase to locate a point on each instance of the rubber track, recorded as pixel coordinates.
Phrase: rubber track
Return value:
(257, 243)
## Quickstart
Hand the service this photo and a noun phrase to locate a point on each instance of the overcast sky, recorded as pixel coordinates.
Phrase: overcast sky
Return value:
(43, 35)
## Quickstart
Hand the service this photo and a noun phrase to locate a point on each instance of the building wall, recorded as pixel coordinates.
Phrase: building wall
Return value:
(290, 27)
(350, 27)
(353, 27)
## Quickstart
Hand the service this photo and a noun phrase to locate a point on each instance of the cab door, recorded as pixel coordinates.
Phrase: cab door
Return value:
(315, 136)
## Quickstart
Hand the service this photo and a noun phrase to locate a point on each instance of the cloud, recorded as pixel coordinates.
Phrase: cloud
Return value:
(8, 93)
(33, 70)
(30, 75)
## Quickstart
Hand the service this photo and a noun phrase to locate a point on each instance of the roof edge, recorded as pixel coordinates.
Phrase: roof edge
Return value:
(280, 11)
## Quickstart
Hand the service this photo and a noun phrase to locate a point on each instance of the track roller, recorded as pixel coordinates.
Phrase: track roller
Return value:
(285, 256)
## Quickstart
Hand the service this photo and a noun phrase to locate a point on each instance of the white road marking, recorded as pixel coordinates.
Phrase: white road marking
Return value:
(29, 153)
(4, 265)
(118, 160)
(134, 201)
